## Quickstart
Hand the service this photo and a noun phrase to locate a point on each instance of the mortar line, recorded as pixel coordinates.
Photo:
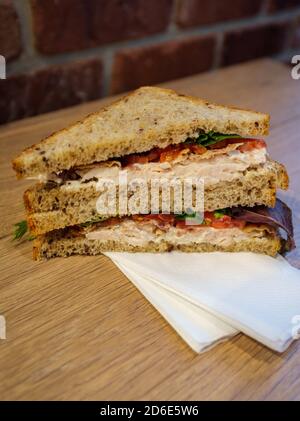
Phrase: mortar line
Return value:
(36, 61)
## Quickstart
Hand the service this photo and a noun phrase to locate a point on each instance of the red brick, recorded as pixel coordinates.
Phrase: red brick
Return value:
(158, 63)
(69, 25)
(251, 43)
(296, 36)
(205, 12)
(10, 37)
(278, 5)
(50, 89)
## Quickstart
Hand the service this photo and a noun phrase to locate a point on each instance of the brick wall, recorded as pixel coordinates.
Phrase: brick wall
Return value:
(63, 52)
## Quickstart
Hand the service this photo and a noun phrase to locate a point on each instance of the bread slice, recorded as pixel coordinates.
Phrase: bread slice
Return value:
(60, 207)
(146, 118)
(59, 244)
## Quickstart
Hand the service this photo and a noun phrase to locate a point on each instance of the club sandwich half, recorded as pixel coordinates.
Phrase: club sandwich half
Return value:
(156, 134)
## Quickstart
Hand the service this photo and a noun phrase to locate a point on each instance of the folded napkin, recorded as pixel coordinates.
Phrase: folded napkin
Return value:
(256, 294)
(200, 329)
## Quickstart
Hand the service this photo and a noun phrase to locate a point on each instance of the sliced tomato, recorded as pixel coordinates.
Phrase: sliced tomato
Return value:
(208, 216)
(238, 223)
(225, 219)
(161, 216)
(135, 159)
(209, 221)
(224, 222)
(138, 218)
(223, 143)
(114, 220)
(250, 144)
(166, 217)
(154, 155)
(169, 154)
(197, 149)
(180, 223)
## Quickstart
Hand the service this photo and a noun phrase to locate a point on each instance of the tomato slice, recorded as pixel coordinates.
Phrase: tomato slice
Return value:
(138, 218)
(224, 222)
(135, 159)
(170, 153)
(209, 215)
(165, 218)
(180, 223)
(154, 154)
(197, 149)
(250, 144)
(114, 220)
(142, 158)
(223, 143)
(238, 223)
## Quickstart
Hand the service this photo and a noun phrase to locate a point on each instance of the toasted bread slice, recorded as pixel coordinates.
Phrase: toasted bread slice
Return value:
(148, 117)
(61, 207)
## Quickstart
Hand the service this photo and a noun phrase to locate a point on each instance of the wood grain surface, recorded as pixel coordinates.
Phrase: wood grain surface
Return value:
(77, 328)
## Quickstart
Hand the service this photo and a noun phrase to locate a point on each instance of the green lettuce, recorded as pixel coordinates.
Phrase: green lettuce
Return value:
(21, 228)
(206, 139)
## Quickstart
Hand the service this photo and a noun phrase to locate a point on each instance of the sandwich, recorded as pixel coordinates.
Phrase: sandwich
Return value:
(156, 134)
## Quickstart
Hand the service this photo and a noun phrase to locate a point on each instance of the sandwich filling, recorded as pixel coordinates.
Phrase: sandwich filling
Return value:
(222, 158)
(221, 227)
(140, 230)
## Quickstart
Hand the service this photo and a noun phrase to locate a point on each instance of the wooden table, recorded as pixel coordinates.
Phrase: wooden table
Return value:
(76, 327)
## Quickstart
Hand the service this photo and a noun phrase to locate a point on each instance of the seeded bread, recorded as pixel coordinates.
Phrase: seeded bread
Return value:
(59, 244)
(146, 118)
(58, 207)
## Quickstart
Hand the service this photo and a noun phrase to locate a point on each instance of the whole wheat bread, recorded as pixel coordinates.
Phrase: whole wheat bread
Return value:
(146, 118)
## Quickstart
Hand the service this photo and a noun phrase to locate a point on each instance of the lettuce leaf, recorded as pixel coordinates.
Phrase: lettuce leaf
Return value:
(21, 228)
(206, 139)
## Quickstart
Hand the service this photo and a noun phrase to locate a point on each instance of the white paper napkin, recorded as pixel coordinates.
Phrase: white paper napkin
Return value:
(200, 329)
(254, 293)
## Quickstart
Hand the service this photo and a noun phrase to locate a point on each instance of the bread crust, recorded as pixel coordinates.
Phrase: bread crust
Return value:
(146, 118)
